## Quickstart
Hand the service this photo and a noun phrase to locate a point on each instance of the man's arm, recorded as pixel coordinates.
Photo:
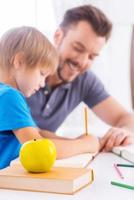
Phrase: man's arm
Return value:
(122, 122)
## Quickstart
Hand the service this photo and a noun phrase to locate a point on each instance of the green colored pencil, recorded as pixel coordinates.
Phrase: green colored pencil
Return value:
(125, 165)
(122, 185)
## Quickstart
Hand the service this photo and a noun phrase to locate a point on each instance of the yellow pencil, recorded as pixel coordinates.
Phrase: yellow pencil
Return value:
(86, 120)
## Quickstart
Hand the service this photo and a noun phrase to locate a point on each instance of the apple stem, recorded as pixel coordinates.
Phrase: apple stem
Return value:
(34, 139)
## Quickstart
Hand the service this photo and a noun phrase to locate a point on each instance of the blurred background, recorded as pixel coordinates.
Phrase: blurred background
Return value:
(115, 65)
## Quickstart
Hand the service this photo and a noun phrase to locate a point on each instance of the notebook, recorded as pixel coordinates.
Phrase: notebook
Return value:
(77, 161)
(64, 180)
(80, 161)
(126, 152)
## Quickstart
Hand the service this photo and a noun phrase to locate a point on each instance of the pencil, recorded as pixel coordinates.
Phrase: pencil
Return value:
(125, 165)
(122, 185)
(118, 171)
(86, 120)
(92, 175)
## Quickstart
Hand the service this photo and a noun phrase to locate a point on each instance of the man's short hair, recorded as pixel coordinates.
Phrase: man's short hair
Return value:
(94, 16)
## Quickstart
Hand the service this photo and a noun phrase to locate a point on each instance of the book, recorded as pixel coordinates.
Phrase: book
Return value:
(80, 161)
(77, 161)
(64, 180)
(126, 152)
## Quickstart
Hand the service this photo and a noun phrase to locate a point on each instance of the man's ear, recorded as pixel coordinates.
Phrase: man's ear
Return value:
(58, 37)
(18, 60)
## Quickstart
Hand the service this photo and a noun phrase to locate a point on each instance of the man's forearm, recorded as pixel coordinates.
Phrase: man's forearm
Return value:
(126, 122)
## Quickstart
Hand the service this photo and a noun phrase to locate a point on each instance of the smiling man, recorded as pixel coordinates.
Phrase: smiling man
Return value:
(79, 40)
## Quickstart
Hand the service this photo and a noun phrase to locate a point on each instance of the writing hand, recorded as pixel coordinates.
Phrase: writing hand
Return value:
(116, 137)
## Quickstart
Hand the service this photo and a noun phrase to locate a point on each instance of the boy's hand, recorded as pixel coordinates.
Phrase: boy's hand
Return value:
(90, 142)
(116, 137)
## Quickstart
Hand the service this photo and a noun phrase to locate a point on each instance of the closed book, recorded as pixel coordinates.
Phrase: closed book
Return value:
(126, 152)
(64, 180)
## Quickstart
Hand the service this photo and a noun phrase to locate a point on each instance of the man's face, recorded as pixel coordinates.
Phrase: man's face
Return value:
(77, 49)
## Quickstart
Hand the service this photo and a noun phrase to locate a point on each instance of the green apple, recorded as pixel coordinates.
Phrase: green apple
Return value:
(38, 155)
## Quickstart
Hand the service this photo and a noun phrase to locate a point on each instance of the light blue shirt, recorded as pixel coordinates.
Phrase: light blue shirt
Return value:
(14, 114)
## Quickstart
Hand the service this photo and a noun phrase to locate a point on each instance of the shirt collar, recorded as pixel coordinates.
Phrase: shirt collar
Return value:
(66, 85)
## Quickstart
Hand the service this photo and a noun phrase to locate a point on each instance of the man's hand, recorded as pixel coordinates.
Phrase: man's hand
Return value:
(116, 137)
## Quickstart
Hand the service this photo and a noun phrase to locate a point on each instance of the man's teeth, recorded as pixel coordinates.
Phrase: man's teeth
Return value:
(71, 66)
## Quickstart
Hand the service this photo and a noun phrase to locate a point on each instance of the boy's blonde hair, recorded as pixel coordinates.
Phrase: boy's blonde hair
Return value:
(34, 46)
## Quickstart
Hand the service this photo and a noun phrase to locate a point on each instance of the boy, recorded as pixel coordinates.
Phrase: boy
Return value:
(26, 59)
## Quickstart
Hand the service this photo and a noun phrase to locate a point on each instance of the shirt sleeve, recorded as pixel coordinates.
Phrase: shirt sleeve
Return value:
(95, 91)
(15, 113)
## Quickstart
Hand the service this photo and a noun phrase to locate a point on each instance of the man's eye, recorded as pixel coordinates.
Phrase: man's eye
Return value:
(42, 74)
(91, 57)
(77, 49)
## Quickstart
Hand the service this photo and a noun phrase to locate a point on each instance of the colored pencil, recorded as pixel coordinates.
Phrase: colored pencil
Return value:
(86, 120)
(122, 185)
(125, 165)
(118, 171)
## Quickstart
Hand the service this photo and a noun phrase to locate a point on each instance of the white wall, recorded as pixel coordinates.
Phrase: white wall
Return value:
(120, 11)
(37, 13)
(113, 66)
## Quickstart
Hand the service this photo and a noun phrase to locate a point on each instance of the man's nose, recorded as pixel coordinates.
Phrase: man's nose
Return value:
(83, 60)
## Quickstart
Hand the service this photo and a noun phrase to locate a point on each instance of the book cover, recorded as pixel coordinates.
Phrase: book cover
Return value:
(64, 180)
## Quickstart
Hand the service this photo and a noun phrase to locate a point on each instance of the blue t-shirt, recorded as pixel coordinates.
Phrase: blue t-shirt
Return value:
(14, 114)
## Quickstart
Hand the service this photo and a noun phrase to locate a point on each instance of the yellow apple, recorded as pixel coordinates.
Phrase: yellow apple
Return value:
(38, 155)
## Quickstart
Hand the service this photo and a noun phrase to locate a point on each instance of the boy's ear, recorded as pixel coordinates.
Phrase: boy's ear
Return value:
(18, 60)
(58, 37)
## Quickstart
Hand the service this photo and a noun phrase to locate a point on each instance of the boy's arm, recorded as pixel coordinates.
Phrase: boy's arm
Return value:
(65, 147)
(84, 144)
(49, 134)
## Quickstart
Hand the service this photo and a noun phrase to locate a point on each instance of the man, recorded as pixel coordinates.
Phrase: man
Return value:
(79, 39)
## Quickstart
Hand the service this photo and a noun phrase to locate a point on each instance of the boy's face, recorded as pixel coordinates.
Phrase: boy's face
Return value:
(28, 81)
(77, 49)
(33, 80)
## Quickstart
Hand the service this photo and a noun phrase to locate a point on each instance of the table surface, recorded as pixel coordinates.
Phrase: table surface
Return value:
(100, 189)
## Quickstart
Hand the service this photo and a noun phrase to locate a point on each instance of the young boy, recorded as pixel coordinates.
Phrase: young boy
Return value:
(26, 59)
